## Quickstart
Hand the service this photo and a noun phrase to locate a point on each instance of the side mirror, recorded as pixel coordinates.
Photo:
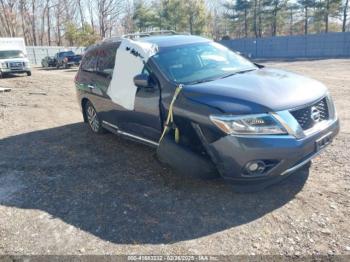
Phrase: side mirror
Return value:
(143, 81)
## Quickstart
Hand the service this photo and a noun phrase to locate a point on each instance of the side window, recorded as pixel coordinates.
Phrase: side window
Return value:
(106, 61)
(89, 62)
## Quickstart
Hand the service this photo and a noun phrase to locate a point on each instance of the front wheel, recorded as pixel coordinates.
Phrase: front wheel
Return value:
(29, 73)
(92, 118)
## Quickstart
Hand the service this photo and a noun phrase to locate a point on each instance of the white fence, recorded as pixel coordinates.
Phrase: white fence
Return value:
(37, 53)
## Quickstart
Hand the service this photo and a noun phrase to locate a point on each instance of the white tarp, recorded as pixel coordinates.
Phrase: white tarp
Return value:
(129, 62)
(12, 43)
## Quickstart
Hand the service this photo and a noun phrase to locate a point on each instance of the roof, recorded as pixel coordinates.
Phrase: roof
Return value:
(161, 41)
(173, 40)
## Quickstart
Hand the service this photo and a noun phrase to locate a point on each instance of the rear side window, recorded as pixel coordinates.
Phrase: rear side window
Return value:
(106, 60)
(89, 62)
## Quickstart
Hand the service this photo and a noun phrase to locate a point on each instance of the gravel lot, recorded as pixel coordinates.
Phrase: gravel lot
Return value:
(64, 190)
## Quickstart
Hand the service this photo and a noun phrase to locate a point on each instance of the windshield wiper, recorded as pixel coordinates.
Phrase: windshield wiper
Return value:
(238, 72)
(212, 79)
(202, 81)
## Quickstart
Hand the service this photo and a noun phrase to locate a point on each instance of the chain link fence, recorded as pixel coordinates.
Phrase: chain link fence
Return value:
(330, 45)
(37, 53)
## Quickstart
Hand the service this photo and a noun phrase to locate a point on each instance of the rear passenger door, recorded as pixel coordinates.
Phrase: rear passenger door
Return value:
(97, 69)
(103, 76)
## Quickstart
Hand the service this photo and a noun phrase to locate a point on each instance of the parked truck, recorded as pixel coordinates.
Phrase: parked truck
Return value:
(13, 57)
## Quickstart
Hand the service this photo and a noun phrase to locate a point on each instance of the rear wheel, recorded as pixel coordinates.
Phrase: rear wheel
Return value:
(92, 118)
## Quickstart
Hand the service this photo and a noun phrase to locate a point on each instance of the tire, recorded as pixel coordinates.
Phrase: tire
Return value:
(29, 73)
(92, 118)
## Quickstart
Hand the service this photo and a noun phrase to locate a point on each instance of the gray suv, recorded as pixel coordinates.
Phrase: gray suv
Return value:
(206, 109)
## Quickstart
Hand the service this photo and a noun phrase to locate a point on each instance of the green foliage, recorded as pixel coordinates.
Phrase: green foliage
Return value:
(196, 13)
(83, 36)
(86, 36)
(175, 15)
(71, 32)
(143, 16)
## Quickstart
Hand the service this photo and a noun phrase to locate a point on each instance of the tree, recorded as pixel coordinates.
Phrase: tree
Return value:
(345, 13)
(292, 9)
(306, 5)
(196, 15)
(327, 9)
(143, 16)
(71, 32)
(81, 12)
(86, 36)
(274, 6)
(83, 36)
(257, 18)
(108, 12)
(174, 14)
(242, 7)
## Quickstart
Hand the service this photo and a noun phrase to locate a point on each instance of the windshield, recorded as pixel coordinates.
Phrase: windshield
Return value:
(68, 53)
(200, 62)
(11, 54)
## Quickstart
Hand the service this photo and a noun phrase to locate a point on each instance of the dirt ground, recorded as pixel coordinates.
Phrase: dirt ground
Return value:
(64, 190)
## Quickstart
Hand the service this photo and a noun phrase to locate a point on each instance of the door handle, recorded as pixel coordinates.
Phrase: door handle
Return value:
(91, 86)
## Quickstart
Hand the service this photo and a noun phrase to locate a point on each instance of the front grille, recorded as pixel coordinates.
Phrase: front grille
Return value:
(16, 65)
(303, 115)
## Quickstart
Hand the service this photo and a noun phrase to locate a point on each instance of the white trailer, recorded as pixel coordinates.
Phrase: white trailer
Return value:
(13, 56)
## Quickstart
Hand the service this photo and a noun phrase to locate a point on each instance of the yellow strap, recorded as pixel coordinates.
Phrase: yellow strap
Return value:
(170, 117)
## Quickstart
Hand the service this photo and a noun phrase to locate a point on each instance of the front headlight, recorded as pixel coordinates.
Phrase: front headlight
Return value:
(262, 124)
(3, 65)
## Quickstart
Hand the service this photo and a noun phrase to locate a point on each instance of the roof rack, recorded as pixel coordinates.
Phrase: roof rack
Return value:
(150, 33)
(138, 35)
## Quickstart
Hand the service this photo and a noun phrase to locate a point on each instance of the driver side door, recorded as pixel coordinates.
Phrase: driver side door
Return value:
(143, 122)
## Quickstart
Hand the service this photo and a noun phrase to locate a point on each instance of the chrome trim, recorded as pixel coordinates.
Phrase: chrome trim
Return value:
(332, 112)
(131, 135)
(332, 117)
(318, 127)
(292, 169)
(138, 138)
(289, 122)
(109, 124)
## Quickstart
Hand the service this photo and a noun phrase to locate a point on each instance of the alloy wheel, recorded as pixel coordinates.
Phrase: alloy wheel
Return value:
(93, 119)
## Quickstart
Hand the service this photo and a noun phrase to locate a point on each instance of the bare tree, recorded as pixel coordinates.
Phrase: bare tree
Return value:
(90, 6)
(81, 12)
(8, 16)
(108, 12)
(33, 21)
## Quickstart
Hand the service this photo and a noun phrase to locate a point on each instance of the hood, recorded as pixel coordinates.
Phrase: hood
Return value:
(261, 90)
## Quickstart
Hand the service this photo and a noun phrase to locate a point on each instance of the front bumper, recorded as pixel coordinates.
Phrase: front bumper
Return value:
(232, 153)
(15, 70)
